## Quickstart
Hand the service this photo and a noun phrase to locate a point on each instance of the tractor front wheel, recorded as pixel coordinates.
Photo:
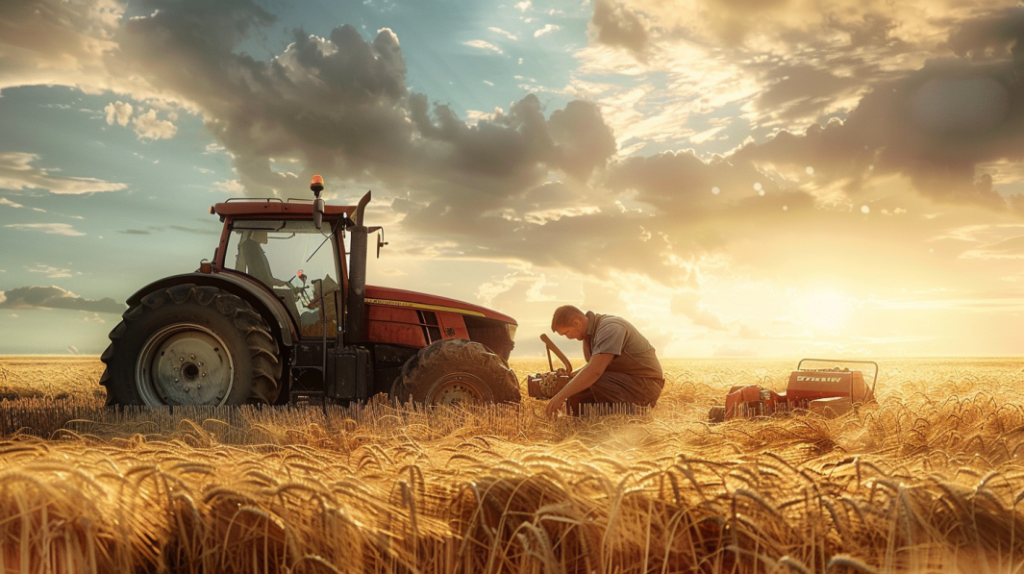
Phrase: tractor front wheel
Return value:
(191, 345)
(452, 371)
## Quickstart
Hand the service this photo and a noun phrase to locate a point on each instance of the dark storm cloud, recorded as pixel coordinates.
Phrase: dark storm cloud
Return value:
(996, 36)
(676, 180)
(707, 204)
(517, 149)
(52, 297)
(341, 107)
(616, 25)
(596, 244)
(933, 126)
(800, 91)
(337, 102)
(871, 30)
(688, 219)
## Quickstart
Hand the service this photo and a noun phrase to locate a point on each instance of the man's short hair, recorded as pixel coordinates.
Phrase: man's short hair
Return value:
(564, 315)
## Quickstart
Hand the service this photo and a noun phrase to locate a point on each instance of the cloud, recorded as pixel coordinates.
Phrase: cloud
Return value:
(48, 228)
(795, 92)
(483, 45)
(999, 241)
(616, 25)
(947, 126)
(504, 33)
(935, 126)
(16, 172)
(547, 29)
(351, 93)
(56, 42)
(688, 302)
(816, 60)
(9, 203)
(516, 185)
(673, 181)
(50, 271)
(207, 231)
(232, 186)
(53, 297)
(148, 126)
(997, 35)
(1011, 248)
(510, 149)
(118, 112)
(211, 230)
(824, 27)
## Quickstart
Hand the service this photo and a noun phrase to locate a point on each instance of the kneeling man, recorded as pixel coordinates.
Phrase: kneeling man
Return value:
(622, 366)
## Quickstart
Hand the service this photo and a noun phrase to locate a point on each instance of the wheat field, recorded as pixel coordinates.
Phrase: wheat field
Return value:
(931, 479)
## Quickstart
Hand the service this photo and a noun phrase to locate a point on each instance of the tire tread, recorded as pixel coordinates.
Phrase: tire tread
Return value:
(263, 348)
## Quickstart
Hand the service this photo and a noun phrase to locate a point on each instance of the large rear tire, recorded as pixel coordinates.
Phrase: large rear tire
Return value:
(453, 371)
(191, 345)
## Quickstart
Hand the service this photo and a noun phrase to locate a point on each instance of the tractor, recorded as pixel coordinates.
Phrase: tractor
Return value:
(282, 314)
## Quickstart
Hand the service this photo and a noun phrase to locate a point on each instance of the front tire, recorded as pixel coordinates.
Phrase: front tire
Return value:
(452, 371)
(191, 345)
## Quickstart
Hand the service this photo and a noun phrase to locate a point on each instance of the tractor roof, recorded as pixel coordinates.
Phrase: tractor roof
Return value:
(274, 207)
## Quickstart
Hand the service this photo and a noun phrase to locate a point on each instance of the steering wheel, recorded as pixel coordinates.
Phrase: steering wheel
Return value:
(301, 291)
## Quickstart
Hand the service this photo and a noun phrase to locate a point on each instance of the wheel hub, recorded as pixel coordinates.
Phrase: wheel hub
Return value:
(184, 364)
(455, 388)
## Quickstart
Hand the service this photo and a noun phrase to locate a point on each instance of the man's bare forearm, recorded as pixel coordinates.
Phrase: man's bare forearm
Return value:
(584, 379)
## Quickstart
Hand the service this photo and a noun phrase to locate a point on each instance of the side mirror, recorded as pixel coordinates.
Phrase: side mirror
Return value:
(318, 212)
(380, 238)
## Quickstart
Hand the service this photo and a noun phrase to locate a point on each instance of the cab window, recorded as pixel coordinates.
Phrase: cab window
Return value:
(292, 258)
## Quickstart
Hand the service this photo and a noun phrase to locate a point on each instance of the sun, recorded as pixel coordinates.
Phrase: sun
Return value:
(823, 309)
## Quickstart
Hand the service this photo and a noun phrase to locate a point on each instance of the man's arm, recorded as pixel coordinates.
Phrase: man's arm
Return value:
(584, 379)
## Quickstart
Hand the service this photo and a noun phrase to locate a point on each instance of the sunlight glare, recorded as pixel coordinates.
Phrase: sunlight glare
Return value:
(823, 309)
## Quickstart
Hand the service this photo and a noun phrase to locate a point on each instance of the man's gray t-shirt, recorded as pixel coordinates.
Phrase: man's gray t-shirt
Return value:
(634, 354)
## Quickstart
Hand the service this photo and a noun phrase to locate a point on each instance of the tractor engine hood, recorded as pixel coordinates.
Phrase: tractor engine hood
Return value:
(412, 300)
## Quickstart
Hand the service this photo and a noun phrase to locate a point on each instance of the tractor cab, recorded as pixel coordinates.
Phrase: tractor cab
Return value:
(278, 246)
(299, 263)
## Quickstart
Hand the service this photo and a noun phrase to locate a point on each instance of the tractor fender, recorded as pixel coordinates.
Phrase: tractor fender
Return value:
(265, 303)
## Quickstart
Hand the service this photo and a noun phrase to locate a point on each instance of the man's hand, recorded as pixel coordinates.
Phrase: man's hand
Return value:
(553, 407)
(583, 380)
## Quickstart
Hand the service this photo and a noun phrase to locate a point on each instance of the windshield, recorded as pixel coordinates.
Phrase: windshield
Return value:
(290, 257)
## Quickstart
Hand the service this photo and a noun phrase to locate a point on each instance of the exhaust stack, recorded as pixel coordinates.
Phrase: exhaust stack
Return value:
(355, 319)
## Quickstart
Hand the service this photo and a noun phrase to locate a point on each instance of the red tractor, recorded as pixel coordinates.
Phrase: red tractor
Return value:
(281, 314)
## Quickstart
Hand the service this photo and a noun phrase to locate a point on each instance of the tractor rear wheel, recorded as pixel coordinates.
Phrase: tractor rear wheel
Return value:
(191, 345)
(456, 370)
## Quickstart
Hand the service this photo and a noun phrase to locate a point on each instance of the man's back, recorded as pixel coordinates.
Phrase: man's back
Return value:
(616, 336)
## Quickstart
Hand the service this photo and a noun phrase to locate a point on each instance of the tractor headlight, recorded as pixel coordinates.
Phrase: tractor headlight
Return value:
(511, 331)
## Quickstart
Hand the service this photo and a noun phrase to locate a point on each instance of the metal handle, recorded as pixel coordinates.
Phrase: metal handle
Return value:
(552, 347)
(875, 382)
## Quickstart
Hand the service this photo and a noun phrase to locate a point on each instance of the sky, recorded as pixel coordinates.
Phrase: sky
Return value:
(738, 178)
